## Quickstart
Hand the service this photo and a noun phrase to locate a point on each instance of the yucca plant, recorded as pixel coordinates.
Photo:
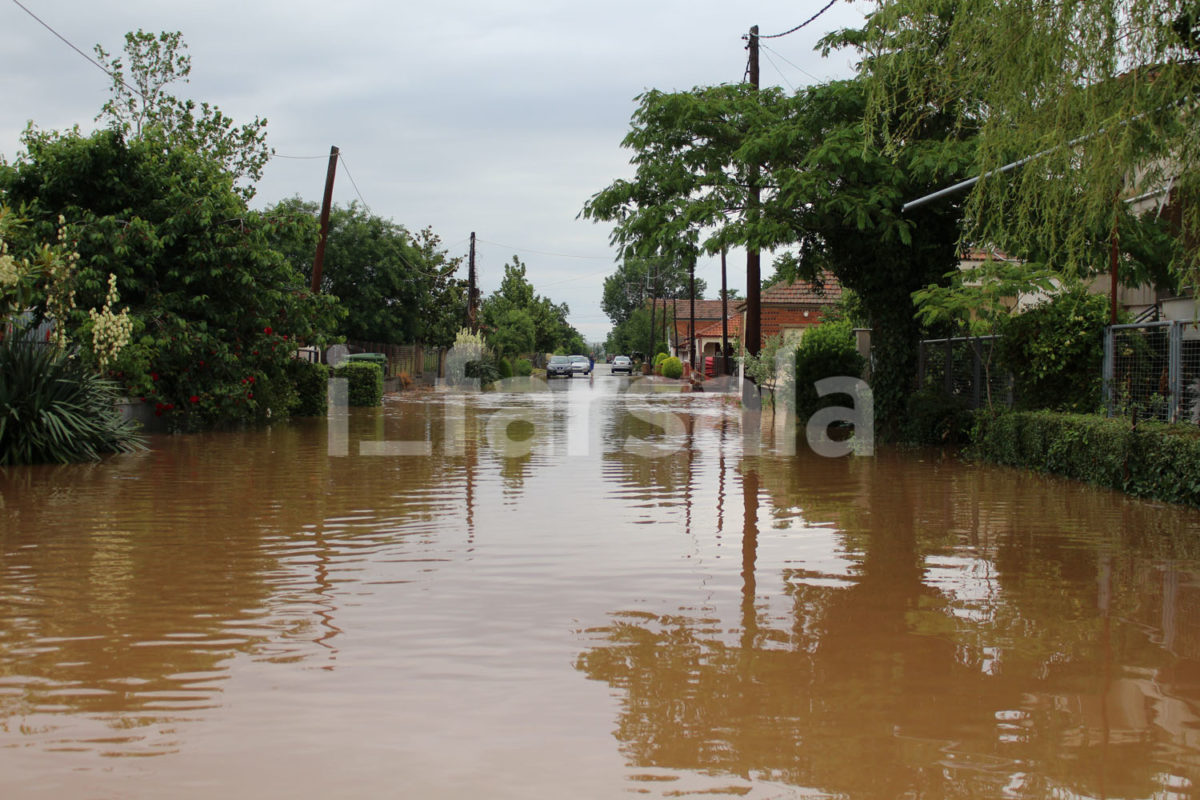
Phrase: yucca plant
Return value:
(54, 408)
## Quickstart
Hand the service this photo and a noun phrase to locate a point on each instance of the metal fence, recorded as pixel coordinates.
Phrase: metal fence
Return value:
(1153, 369)
(964, 367)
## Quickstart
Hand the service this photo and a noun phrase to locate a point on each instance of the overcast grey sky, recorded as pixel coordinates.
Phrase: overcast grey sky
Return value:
(463, 115)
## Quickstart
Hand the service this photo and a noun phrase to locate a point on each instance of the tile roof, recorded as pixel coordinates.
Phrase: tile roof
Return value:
(803, 293)
(705, 309)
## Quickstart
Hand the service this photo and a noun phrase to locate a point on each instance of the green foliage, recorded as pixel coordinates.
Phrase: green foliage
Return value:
(484, 370)
(523, 367)
(827, 350)
(823, 190)
(637, 280)
(551, 331)
(935, 418)
(1055, 352)
(54, 408)
(514, 333)
(504, 368)
(1094, 89)
(978, 301)
(364, 382)
(660, 358)
(634, 335)
(216, 311)
(140, 108)
(671, 367)
(310, 382)
(1152, 460)
(396, 286)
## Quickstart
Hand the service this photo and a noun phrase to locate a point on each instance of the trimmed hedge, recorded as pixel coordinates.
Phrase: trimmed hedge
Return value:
(1154, 460)
(311, 384)
(366, 382)
(672, 367)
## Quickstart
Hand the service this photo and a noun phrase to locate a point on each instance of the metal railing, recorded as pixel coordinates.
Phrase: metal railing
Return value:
(964, 367)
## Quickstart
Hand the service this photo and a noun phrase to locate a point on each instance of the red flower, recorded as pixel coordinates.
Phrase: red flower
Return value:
(153, 376)
(267, 330)
(194, 399)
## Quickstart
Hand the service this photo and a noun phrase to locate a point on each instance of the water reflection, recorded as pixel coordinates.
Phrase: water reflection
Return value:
(294, 621)
(967, 633)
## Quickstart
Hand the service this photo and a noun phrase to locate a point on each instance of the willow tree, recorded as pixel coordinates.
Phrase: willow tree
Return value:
(1096, 99)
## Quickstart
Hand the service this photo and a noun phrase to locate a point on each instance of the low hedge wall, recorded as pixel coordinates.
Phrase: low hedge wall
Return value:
(1152, 460)
(365, 382)
(311, 382)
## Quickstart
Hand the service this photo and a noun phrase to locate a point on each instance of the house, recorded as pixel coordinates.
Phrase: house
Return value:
(789, 309)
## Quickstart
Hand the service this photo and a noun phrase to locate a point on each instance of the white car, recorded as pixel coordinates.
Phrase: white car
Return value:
(580, 364)
(622, 364)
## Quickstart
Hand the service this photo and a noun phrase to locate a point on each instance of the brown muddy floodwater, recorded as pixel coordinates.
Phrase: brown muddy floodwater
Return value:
(406, 605)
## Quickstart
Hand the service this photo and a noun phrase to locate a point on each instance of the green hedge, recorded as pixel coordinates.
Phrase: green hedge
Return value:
(672, 367)
(1154, 460)
(366, 382)
(311, 384)
(827, 350)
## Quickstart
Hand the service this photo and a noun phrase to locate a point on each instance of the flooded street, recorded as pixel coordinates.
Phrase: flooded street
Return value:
(585, 593)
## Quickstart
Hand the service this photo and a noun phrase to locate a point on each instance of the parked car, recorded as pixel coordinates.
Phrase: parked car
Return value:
(558, 365)
(622, 364)
(581, 364)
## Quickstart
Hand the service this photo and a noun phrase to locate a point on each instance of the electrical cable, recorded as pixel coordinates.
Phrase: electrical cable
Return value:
(68, 43)
(542, 252)
(802, 24)
(346, 166)
(796, 67)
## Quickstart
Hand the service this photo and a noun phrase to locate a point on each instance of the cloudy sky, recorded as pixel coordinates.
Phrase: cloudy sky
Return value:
(463, 115)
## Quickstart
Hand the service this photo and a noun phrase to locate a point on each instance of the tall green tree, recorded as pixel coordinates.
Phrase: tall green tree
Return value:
(141, 107)
(1097, 97)
(552, 332)
(396, 286)
(637, 280)
(824, 194)
(217, 312)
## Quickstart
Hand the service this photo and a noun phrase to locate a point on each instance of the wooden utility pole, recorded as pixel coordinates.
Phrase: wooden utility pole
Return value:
(472, 292)
(752, 336)
(319, 259)
(724, 319)
(692, 322)
(650, 291)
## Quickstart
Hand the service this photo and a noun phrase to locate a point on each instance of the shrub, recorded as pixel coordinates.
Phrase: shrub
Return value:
(1055, 352)
(1152, 460)
(933, 418)
(504, 368)
(310, 381)
(523, 367)
(366, 382)
(53, 408)
(671, 367)
(826, 351)
(484, 369)
(660, 358)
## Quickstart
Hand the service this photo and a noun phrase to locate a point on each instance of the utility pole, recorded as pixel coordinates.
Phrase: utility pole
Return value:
(753, 334)
(319, 259)
(692, 322)
(650, 291)
(472, 292)
(724, 319)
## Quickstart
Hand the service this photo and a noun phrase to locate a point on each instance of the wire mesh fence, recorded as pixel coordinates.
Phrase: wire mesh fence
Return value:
(1152, 369)
(964, 367)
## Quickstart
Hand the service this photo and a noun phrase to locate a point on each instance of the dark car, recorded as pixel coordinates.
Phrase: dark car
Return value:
(622, 364)
(558, 365)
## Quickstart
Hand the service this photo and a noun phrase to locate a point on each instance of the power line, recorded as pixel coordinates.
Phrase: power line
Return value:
(543, 252)
(789, 63)
(346, 167)
(777, 69)
(802, 24)
(69, 44)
